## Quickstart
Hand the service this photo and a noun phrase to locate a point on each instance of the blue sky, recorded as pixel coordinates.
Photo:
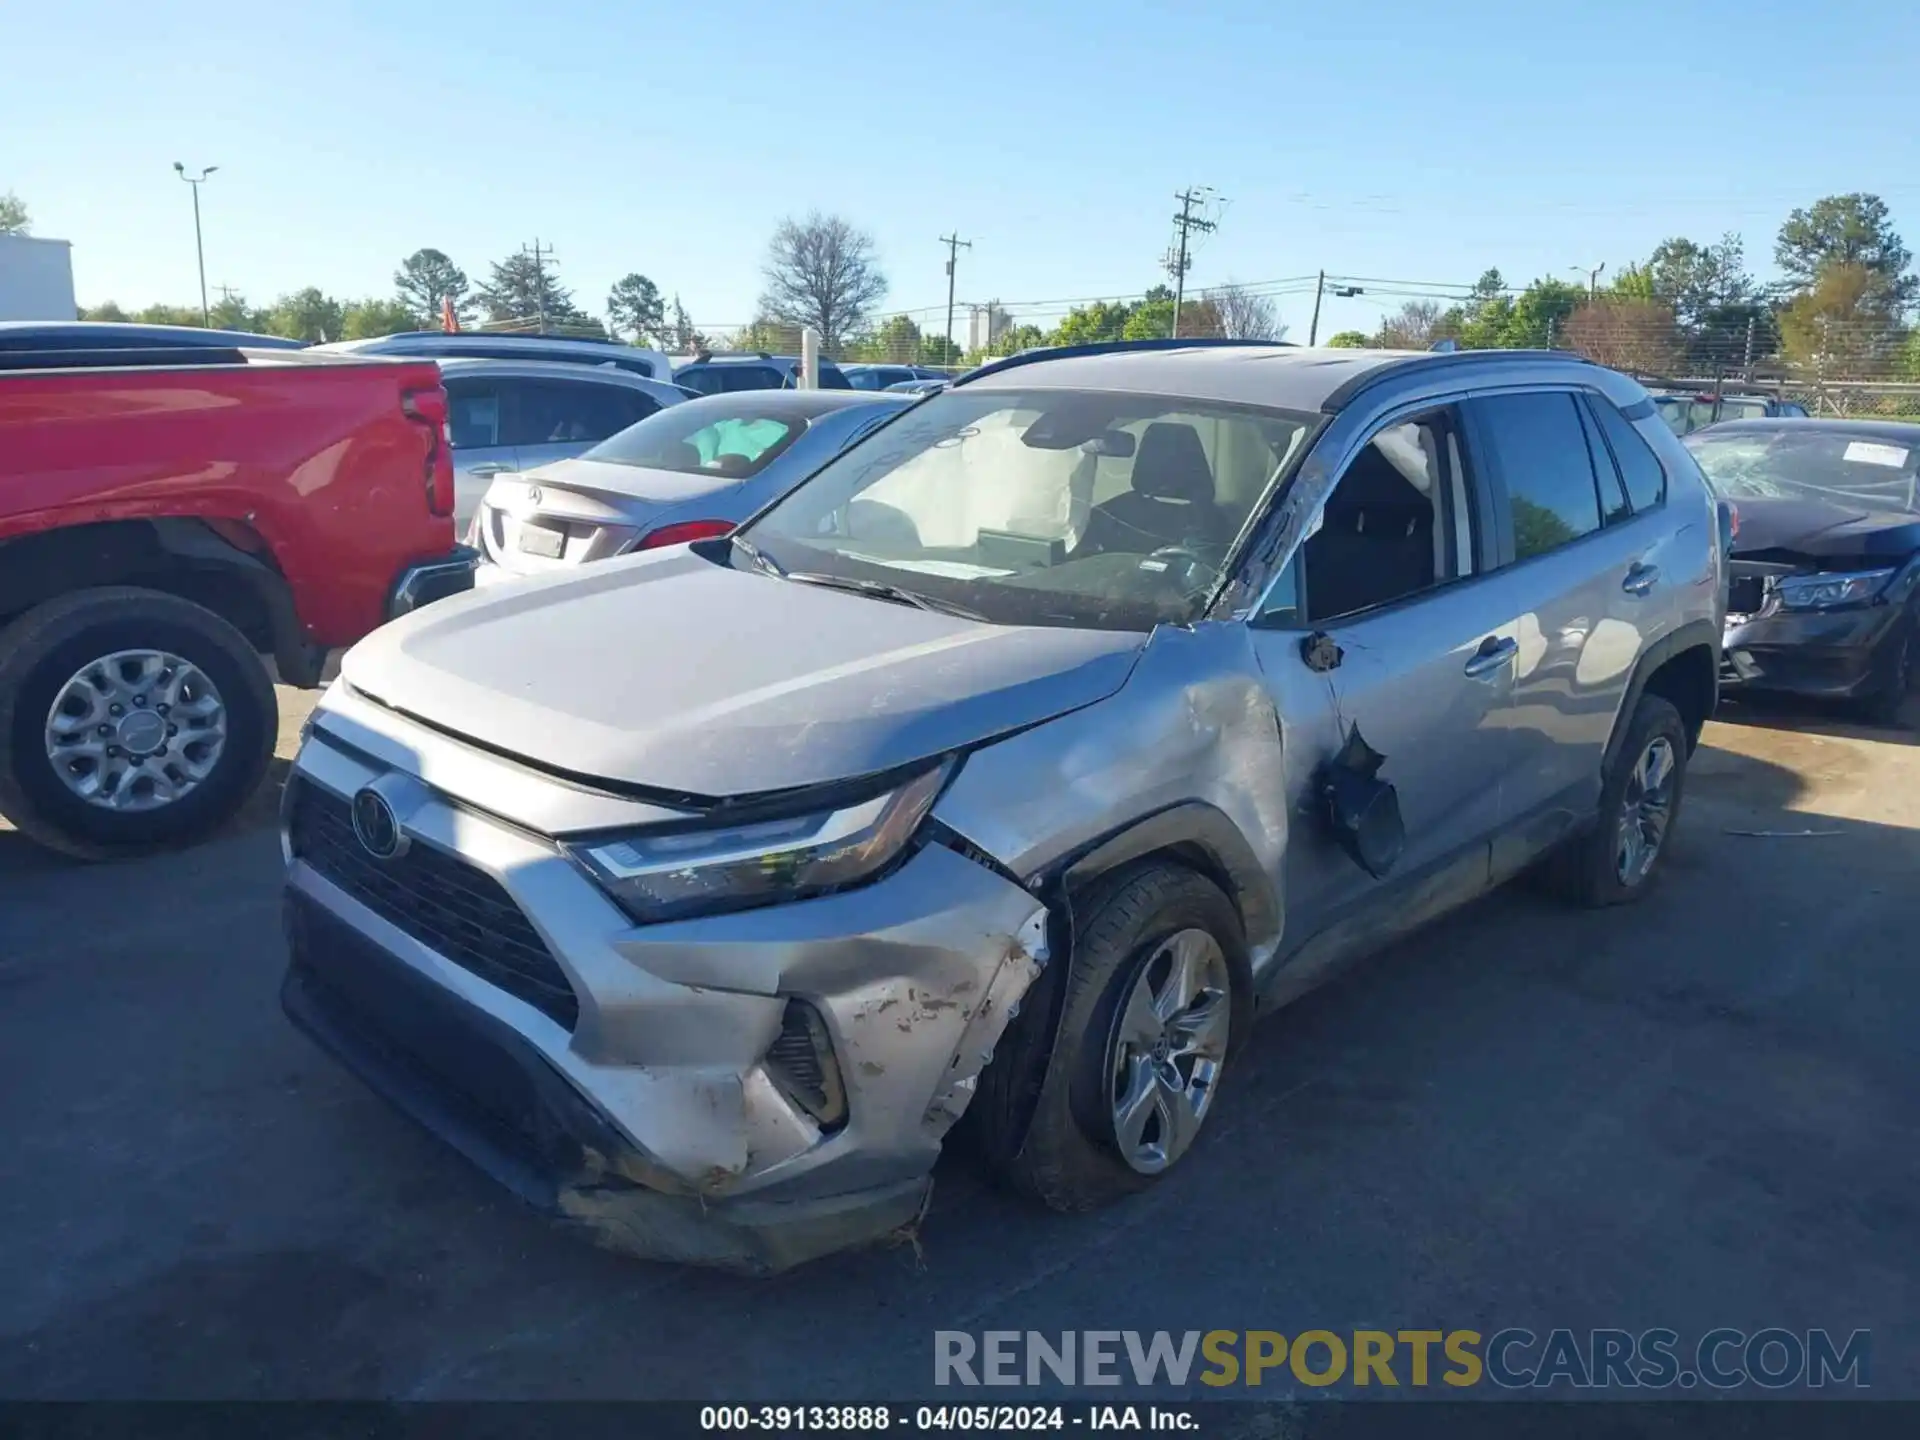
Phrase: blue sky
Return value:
(1401, 140)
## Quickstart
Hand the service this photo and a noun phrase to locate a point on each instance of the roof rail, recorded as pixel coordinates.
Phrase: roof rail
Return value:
(1343, 394)
(1110, 347)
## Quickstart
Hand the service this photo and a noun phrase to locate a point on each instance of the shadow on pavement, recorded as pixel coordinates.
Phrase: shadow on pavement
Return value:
(1814, 717)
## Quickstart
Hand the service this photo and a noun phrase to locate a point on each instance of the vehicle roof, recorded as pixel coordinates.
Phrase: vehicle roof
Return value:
(802, 404)
(749, 357)
(118, 335)
(1902, 432)
(531, 367)
(424, 341)
(1285, 377)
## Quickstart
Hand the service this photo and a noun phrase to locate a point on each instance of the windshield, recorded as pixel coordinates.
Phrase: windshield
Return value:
(696, 439)
(1040, 507)
(1873, 472)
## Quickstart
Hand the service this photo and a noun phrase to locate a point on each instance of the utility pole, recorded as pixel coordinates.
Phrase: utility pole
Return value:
(1592, 272)
(1185, 223)
(199, 250)
(1747, 364)
(1313, 330)
(954, 246)
(540, 258)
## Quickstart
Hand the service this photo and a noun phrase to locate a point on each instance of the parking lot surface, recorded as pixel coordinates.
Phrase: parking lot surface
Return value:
(1700, 1111)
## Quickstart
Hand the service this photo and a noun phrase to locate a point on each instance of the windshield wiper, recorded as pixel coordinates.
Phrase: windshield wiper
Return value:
(761, 561)
(881, 590)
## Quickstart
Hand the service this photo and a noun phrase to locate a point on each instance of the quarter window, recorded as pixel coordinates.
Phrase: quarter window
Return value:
(1645, 479)
(1539, 448)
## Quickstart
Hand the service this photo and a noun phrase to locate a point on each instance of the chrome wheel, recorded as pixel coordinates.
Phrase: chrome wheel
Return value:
(1645, 811)
(1169, 1041)
(136, 730)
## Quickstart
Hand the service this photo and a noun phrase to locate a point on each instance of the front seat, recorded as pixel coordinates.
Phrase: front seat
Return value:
(1171, 501)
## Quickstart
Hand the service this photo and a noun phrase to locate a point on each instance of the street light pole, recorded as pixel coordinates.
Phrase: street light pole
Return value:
(199, 249)
(1592, 272)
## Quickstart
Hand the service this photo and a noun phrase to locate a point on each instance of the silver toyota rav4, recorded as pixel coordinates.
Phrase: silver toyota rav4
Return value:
(996, 777)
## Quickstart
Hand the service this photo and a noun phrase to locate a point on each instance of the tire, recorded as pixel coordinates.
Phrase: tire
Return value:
(46, 648)
(1885, 706)
(1589, 870)
(1044, 1118)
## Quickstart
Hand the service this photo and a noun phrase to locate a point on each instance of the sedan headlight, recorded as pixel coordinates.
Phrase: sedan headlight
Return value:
(671, 873)
(1825, 590)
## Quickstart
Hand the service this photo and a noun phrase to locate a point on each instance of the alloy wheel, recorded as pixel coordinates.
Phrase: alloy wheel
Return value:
(1645, 811)
(1168, 1044)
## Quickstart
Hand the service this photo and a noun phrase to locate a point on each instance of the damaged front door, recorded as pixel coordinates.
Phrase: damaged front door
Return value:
(1386, 622)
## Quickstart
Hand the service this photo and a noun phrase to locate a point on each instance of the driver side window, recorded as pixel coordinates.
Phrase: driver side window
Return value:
(1397, 523)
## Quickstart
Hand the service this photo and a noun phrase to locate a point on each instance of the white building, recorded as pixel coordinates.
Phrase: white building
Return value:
(36, 279)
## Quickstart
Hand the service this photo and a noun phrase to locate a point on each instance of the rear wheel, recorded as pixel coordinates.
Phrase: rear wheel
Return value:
(1134, 1068)
(130, 720)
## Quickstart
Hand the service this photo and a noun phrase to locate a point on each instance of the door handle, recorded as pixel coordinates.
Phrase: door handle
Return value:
(1641, 579)
(1494, 652)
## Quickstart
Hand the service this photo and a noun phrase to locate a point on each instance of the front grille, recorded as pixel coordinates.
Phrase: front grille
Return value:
(801, 1063)
(1746, 594)
(444, 903)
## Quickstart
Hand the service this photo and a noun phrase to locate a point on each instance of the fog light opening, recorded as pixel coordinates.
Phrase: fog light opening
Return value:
(802, 1066)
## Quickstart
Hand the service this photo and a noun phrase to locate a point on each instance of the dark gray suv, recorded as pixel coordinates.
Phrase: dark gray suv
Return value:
(997, 775)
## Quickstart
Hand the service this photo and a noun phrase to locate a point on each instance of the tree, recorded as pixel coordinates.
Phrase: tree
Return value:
(1348, 340)
(107, 311)
(1695, 280)
(1412, 327)
(1537, 318)
(1851, 230)
(767, 334)
(13, 215)
(897, 340)
(364, 319)
(1243, 314)
(682, 332)
(521, 288)
(1844, 325)
(822, 272)
(1090, 324)
(425, 281)
(172, 315)
(1482, 321)
(307, 315)
(1152, 318)
(232, 312)
(636, 311)
(1624, 333)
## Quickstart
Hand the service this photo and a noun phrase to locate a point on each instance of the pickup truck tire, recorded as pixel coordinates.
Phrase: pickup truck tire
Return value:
(1648, 777)
(56, 654)
(1140, 929)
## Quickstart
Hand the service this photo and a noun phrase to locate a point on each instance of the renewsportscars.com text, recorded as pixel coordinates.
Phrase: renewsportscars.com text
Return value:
(1724, 1359)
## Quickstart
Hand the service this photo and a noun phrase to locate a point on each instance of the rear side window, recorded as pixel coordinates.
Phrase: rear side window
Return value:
(473, 415)
(562, 412)
(738, 445)
(1640, 468)
(1539, 449)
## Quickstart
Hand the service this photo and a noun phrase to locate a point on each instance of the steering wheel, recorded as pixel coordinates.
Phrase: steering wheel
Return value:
(1182, 567)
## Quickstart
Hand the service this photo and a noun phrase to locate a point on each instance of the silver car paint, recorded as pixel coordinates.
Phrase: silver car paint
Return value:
(1220, 718)
(794, 684)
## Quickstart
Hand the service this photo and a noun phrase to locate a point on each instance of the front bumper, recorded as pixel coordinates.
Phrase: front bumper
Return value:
(648, 1116)
(1830, 653)
(421, 584)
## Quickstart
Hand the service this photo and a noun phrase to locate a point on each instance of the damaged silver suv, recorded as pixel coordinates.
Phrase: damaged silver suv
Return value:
(990, 783)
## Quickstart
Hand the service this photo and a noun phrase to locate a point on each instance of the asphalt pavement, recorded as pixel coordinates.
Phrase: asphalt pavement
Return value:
(1695, 1112)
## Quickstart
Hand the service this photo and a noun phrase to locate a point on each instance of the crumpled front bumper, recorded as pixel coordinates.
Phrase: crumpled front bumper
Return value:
(654, 1122)
(1831, 653)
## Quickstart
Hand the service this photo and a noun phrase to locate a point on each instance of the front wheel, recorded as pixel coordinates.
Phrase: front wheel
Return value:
(130, 720)
(1886, 706)
(1139, 1051)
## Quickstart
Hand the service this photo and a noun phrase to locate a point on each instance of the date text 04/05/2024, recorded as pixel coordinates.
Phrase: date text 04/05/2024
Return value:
(874, 1419)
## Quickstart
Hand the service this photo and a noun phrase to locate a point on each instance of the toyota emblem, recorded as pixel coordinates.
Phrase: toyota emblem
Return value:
(375, 825)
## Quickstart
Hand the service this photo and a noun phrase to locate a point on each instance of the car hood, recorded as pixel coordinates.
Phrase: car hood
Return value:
(1777, 528)
(606, 480)
(673, 673)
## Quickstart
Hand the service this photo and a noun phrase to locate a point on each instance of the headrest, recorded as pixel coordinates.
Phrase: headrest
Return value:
(1171, 465)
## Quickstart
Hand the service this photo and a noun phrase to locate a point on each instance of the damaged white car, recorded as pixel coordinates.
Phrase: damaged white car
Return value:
(996, 777)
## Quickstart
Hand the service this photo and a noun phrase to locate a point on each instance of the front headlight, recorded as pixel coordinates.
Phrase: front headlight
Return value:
(1825, 590)
(672, 873)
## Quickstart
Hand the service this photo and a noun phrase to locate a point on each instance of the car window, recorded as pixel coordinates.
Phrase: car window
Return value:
(567, 412)
(1875, 471)
(833, 378)
(985, 497)
(865, 378)
(1613, 493)
(473, 415)
(1387, 530)
(693, 440)
(747, 377)
(1640, 468)
(1539, 449)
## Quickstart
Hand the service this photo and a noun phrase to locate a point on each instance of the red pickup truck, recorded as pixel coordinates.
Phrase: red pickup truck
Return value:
(174, 506)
